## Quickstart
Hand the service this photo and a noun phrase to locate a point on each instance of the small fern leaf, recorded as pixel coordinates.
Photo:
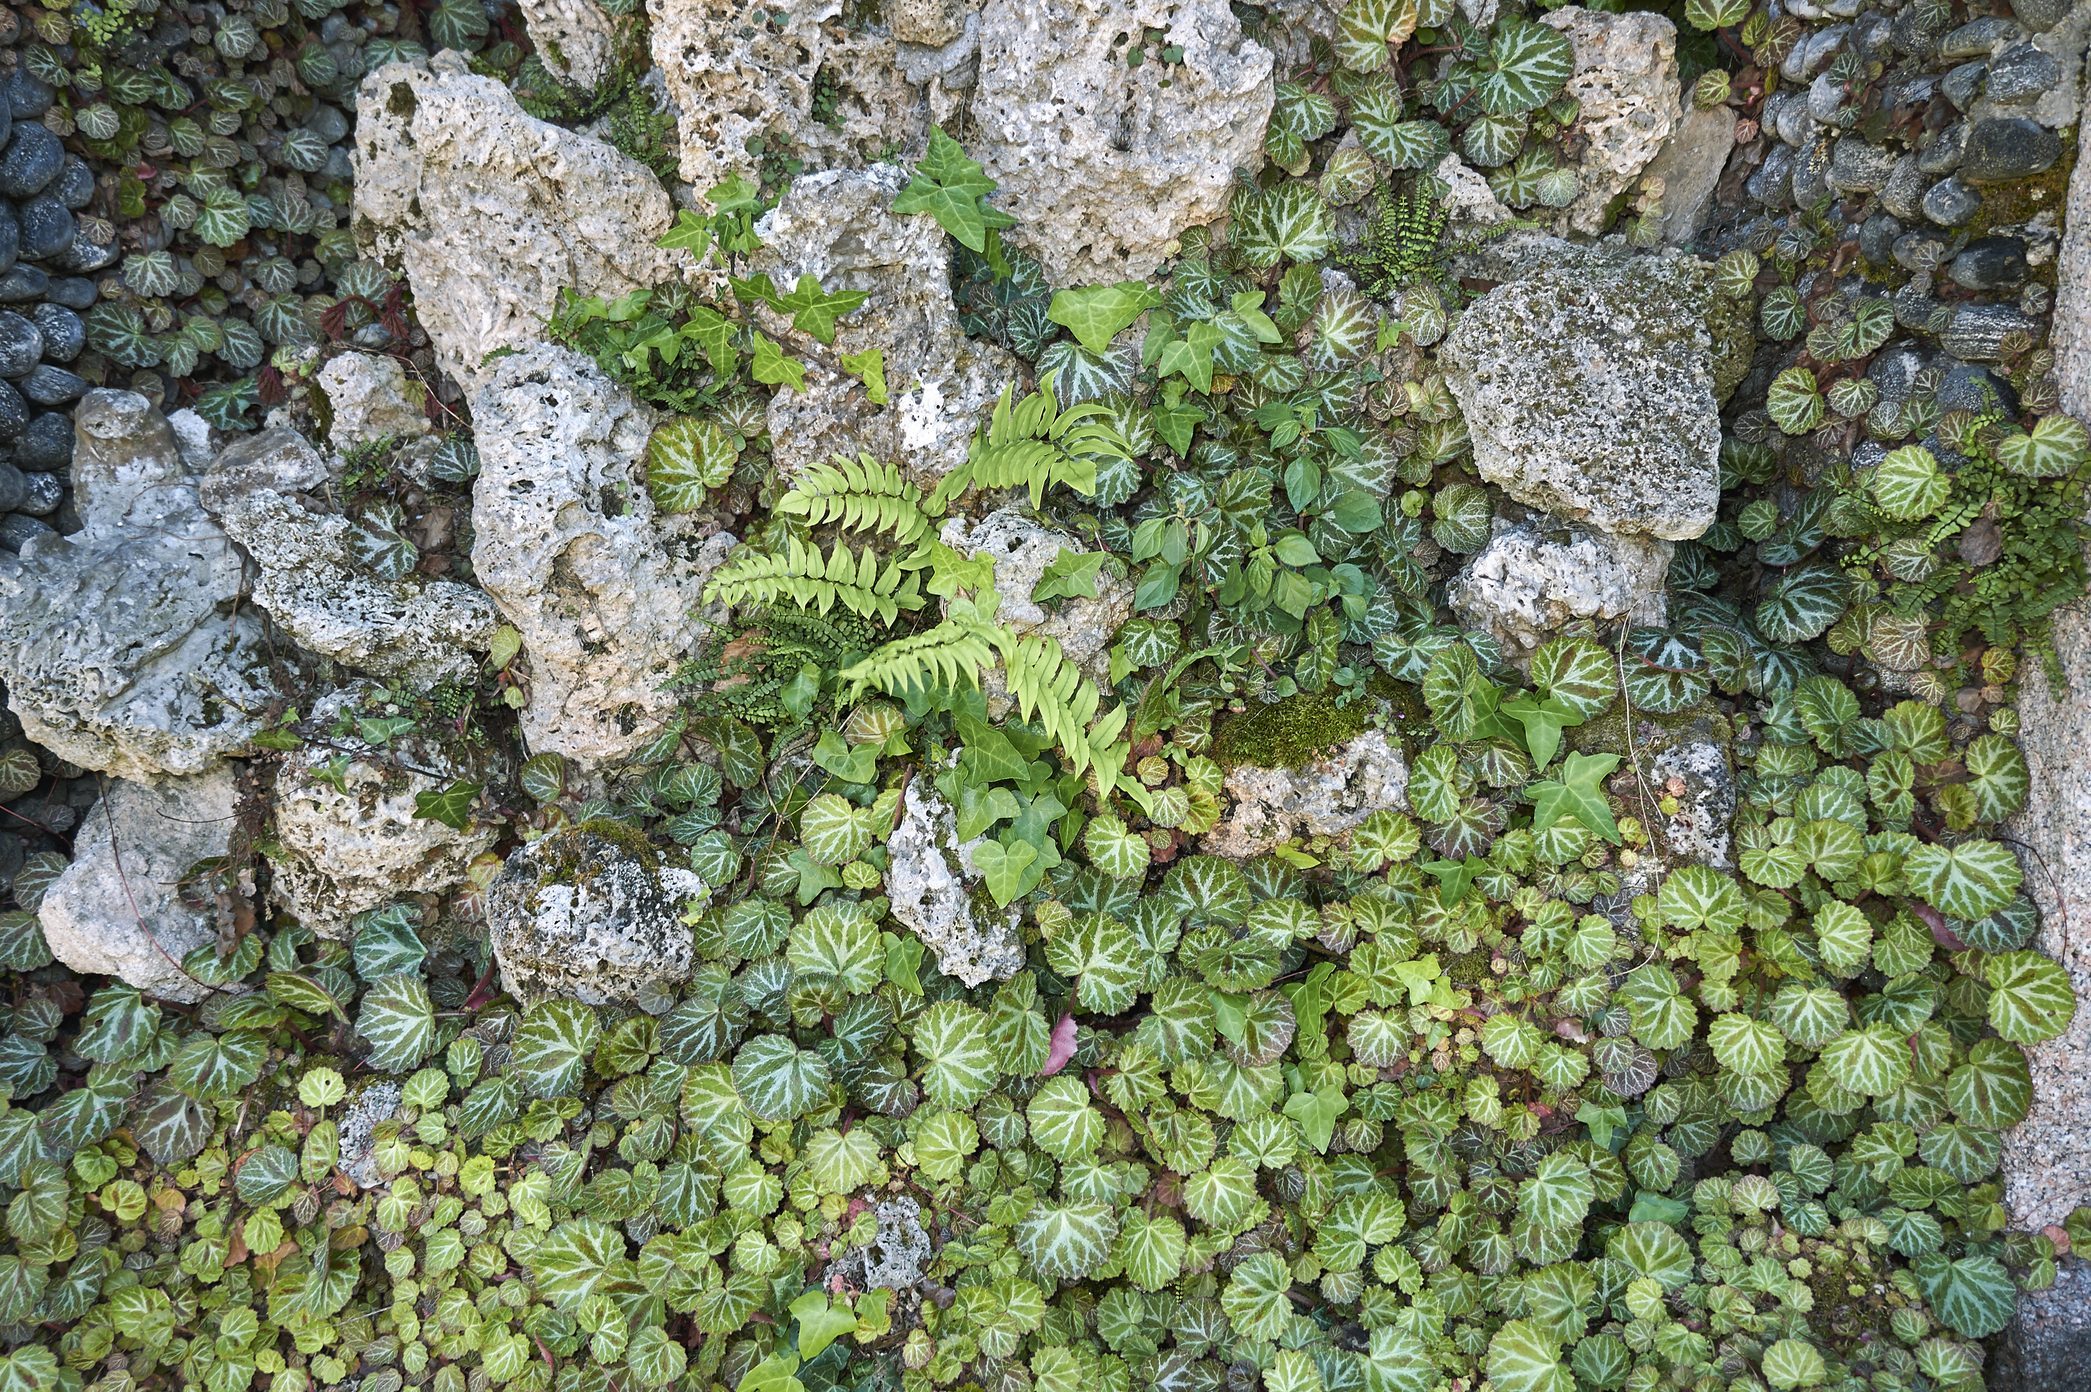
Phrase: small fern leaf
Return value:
(802, 575)
(953, 652)
(1051, 688)
(862, 495)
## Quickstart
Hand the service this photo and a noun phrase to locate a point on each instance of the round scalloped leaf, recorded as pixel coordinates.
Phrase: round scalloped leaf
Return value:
(398, 1021)
(1697, 896)
(1872, 1062)
(552, 1045)
(1973, 1296)
(1794, 1363)
(1907, 485)
(1527, 64)
(1116, 849)
(2030, 996)
(1801, 603)
(1998, 780)
(1746, 1045)
(1258, 1297)
(1970, 880)
(1152, 1249)
(834, 830)
(2054, 447)
(1994, 1088)
(958, 1067)
(1525, 1356)
(777, 1079)
(686, 458)
(1558, 1194)
(1577, 674)
(1656, 1251)
(1066, 1242)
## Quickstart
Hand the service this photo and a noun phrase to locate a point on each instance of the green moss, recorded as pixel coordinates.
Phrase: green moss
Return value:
(2008, 205)
(1289, 733)
(571, 857)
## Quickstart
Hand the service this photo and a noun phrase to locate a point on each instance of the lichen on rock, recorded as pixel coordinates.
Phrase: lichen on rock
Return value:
(1325, 797)
(929, 881)
(566, 543)
(582, 913)
(1533, 578)
(1589, 393)
(491, 212)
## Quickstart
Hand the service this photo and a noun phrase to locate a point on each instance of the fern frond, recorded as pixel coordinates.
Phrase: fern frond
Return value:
(953, 651)
(1046, 684)
(855, 580)
(1034, 445)
(863, 495)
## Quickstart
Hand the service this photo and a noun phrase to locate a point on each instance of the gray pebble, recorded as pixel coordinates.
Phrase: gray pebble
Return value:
(2008, 147)
(1963, 84)
(1990, 263)
(1979, 38)
(1942, 155)
(53, 386)
(2021, 74)
(1903, 193)
(14, 488)
(46, 492)
(1977, 331)
(1952, 203)
(1857, 167)
(18, 529)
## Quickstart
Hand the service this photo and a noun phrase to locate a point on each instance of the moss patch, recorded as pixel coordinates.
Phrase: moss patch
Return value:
(1289, 733)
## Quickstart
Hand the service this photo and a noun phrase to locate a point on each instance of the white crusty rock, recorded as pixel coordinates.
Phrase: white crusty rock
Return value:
(1327, 796)
(576, 39)
(373, 1105)
(491, 212)
(349, 840)
(566, 542)
(580, 914)
(1625, 84)
(899, 1249)
(1589, 393)
(734, 76)
(840, 228)
(369, 399)
(123, 646)
(1696, 772)
(1533, 578)
(310, 580)
(1021, 548)
(1104, 165)
(929, 879)
(118, 910)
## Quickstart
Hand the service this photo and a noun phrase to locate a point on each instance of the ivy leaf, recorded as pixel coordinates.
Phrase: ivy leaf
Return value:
(1095, 314)
(814, 310)
(452, 806)
(1316, 1112)
(773, 367)
(868, 367)
(1577, 794)
(952, 189)
(1002, 866)
(1069, 575)
(1543, 722)
(819, 1323)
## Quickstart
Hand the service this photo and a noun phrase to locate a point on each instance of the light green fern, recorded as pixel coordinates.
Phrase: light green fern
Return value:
(1033, 444)
(952, 653)
(1051, 688)
(862, 582)
(862, 495)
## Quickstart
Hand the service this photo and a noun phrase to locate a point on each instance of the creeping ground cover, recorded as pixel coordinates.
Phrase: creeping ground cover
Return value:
(1272, 870)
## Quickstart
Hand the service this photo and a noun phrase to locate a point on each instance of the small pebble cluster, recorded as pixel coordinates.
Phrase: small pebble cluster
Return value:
(47, 255)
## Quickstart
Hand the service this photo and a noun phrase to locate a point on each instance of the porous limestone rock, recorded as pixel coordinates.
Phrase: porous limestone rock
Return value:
(1625, 82)
(491, 212)
(118, 909)
(829, 89)
(310, 581)
(1327, 796)
(1535, 577)
(373, 1105)
(2047, 1166)
(839, 228)
(369, 399)
(1589, 393)
(583, 914)
(123, 646)
(576, 39)
(1697, 773)
(348, 839)
(899, 1249)
(929, 881)
(1021, 548)
(565, 541)
(1688, 168)
(1103, 164)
